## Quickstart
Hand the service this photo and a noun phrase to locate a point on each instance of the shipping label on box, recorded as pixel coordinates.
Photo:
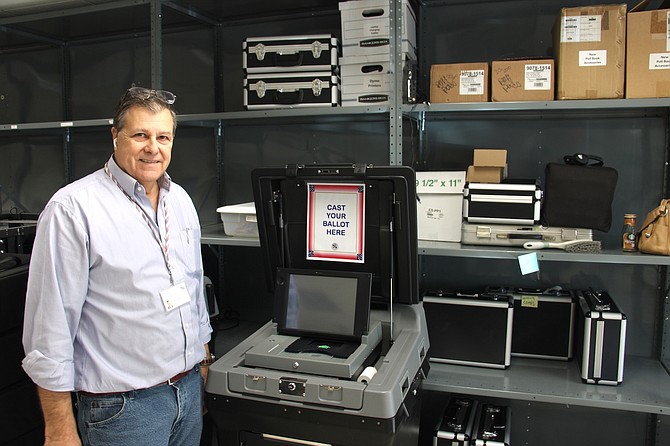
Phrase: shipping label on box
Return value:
(648, 54)
(591, 52)
(440, 206)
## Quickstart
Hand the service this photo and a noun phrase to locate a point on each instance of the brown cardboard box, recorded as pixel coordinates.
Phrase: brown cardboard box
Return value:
(488, 166)
(466, 82)
(483, 174)
(522, 80)
(590, 52)
(489, 157)
(648, 53)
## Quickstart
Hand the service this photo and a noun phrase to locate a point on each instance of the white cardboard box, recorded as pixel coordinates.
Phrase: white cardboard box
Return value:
(239, 220)
(365, 28)
(440, 209)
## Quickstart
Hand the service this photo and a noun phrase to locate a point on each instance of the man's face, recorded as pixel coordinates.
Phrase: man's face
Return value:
(144, 144)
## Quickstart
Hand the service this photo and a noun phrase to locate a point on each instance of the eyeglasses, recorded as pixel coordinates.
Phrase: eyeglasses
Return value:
(145, 93)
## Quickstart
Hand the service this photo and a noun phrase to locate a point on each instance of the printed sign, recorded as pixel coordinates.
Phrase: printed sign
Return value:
(336, 222)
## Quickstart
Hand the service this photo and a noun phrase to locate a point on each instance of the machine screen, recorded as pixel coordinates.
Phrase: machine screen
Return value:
(332, 304)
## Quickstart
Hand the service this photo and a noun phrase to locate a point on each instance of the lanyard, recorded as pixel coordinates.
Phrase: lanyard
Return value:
(164, 244)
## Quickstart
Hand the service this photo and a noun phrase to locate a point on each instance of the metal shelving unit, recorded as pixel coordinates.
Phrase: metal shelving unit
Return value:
(559, 382)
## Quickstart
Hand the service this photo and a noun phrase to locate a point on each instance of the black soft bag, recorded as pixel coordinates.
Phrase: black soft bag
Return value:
(579, 193)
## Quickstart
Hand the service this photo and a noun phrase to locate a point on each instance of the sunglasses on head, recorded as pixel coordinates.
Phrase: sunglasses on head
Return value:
(145, 93)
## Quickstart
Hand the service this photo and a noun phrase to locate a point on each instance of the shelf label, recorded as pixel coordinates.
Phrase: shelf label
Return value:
(528, 263)
(67, 124)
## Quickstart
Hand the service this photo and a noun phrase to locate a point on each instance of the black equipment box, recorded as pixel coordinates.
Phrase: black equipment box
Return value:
(470, 328)
(317, 52)
(457, 422)
(13, 282)
(18, 398)
(388, 250)
(493, 426)
(511, 203)
(601, 338)
(543, 322)
(17, 232)
(517, 235)
(287, 90)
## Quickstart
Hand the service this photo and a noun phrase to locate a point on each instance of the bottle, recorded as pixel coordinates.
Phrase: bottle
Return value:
(629, 232)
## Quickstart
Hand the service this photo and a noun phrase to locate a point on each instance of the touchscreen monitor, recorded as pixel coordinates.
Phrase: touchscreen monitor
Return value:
(323, 304)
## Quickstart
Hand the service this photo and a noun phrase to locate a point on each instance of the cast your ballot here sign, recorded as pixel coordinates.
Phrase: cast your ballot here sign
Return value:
(336, 222)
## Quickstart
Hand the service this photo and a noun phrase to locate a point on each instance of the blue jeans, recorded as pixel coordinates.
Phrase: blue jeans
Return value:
(165, 415)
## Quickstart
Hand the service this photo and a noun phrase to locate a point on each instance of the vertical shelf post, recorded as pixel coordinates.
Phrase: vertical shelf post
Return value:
(156, 45)
(395, 105)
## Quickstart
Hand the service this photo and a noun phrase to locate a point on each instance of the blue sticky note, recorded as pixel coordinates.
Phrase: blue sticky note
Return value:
(528, 263)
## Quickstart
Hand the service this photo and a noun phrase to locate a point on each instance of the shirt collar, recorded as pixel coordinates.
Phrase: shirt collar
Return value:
(130, 184)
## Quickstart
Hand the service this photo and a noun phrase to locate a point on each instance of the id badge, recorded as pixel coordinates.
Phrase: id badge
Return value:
(175, 296)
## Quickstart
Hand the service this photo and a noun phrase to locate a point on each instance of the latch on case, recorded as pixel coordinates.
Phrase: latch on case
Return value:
(317, 87)
(260, 88)
(316, 49)
(259, 49)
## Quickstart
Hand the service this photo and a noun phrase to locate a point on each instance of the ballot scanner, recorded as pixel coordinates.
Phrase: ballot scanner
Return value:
(343, 360)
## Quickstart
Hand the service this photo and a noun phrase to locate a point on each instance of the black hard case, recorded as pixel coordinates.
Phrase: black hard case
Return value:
(470, 328)
(318, 52)
(601, 338)
(287, 90)
(544, 321)
(515, 203)
(280, 194)
(493, 426)
(457, 422)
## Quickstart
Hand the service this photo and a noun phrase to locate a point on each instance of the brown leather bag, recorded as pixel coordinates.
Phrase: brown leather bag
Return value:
(654, 236)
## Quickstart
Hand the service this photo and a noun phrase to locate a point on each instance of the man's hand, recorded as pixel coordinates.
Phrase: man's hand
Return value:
(60, 428)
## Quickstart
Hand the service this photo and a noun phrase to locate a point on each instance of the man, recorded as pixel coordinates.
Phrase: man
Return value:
(115, 308)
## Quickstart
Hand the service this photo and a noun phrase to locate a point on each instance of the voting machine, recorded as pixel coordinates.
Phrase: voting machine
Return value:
(344, 357)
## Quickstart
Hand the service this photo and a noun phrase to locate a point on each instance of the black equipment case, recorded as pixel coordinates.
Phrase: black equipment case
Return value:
(19, 403)
(295, 89)
(470, 328)
(601, 338)
(385, 409)
(457, 422)
(493, 426)
(318, 52)
(544, 322)
(514, 203)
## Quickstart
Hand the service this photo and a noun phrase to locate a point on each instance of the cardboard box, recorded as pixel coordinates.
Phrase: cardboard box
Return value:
(462, 82)
(522, 80)
(440, 206)
(648, 53)
(489, 157)
(488, 166)
(369, 82)
(590, 47)
(484, 174)
(365, 28)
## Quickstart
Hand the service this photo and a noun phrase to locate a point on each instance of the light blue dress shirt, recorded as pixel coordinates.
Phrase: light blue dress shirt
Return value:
(94, 319)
